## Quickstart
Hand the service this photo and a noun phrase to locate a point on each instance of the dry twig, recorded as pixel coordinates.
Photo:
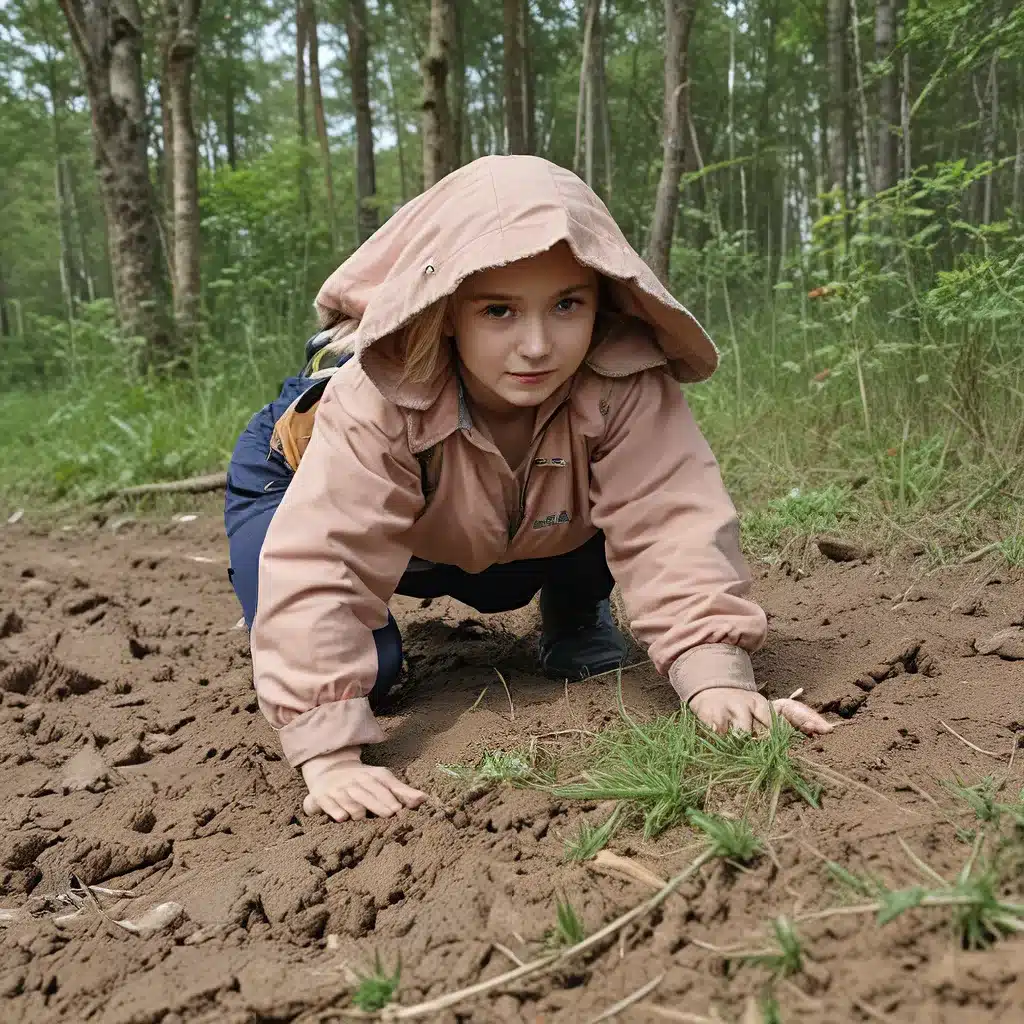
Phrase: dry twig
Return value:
(634, 997)
(968, 743)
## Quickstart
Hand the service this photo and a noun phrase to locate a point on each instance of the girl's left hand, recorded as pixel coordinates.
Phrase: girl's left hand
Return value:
(725, 708)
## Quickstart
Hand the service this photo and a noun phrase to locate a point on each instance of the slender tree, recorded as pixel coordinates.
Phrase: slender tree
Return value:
(108, 38)
(515, 107)
(837, 27)
(313, 34)
(182, 17)
(679, 17)
(301, 43)
(438, 149)
(888, 95)
(358, 68)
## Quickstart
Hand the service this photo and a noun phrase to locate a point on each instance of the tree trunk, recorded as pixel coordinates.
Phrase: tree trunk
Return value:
(5, 317)
(318, 114)
(991, 137)
(888, 95)
(908, 166)
(529, 79)
(108, 37)
(838, 114)
(358, 60)
(601, 93)
(301, 41)
(515, 114)
(396, 118)
(438, 158)
(865, 121)
(1018, 169)
(183, 19)
(457, 83)
(679, 16)
(589, 20)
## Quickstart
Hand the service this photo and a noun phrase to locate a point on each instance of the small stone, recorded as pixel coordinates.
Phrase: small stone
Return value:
(836, 549)
(154, 920)
(1007, 644)
(86, 770)
(968, 606)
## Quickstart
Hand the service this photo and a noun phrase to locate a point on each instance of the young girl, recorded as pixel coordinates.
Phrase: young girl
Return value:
(492, 410)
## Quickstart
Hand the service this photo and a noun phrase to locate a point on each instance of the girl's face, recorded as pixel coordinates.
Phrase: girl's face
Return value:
(522, 330)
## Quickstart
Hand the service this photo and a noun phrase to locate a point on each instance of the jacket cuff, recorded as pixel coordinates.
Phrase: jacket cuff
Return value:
(329, 727)
(711, 665)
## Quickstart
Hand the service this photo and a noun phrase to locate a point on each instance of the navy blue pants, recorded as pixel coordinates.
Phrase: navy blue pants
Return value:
(257, 480)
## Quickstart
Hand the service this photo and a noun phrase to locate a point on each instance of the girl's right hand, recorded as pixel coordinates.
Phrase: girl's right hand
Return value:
(343, 787)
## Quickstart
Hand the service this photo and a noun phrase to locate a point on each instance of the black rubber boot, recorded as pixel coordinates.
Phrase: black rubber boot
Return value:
(578, 641)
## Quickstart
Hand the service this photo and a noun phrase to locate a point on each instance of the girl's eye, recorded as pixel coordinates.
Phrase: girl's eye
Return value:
(497, 312)
(568, 305)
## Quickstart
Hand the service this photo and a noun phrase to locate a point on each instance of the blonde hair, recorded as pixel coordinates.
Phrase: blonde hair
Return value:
(422, 339)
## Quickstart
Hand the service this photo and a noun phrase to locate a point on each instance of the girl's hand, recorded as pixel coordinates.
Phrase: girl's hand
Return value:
(723, 707)
(342, 786)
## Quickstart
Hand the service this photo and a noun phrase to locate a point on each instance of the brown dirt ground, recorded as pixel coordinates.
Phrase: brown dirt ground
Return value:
(121, 672)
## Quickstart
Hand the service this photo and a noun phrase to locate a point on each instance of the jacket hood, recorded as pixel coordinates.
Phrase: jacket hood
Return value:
(491, 212)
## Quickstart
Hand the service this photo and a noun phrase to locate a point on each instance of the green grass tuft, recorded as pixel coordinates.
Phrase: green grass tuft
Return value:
(497, 766)
(376, 988)
(589, 839)
(787, 958)
(568, 929)
(727, 837)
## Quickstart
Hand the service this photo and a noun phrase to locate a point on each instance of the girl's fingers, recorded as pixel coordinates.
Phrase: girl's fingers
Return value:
(349, 802)
(802, 717)
(374, 797)
(309, 805)
(406, 794)
(742, 719)
(762, 715)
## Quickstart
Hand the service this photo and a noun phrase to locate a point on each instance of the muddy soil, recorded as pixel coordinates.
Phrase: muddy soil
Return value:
(134, 759)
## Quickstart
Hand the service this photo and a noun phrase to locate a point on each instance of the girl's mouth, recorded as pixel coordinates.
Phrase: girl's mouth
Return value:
(531, 378)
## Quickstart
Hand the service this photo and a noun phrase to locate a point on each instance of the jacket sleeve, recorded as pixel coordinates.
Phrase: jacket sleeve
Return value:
(672, 538)
(332, 558)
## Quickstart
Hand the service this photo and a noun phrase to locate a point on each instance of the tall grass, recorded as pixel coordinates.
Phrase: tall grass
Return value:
(854, 411)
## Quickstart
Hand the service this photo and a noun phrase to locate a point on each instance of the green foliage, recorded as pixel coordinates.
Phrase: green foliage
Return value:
(496, 766)
(732, 838)
(568, 929)
(664, 768)
(376, 988)
(589, 840)
(786, 957)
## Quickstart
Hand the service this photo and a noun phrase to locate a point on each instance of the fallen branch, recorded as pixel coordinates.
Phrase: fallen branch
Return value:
(968, 743)
(633, 997)
(434, 1006)
(191, 485)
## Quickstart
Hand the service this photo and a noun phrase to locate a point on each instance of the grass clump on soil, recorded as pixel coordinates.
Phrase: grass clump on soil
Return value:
(589, 840)
(568, 929)
(376, 988)
(786, 956)
(730, 838)
(517, 767)
(663, 768)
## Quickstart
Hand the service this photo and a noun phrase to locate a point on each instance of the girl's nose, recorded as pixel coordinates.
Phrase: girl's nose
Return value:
(534, 343)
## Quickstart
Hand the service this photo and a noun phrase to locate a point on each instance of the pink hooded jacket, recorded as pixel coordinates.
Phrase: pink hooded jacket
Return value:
(615, 449)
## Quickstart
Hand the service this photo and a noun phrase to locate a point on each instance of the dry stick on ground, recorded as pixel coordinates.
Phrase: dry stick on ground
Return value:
(685, 1018)
(869, 1011)
(968, 743)
(434, 1006)
(193, 485)
(634, 997)
(511, 706)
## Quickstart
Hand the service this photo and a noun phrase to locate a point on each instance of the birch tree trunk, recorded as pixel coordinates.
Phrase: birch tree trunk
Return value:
(438, 157)
(991, 137)
(366, 175)
(589, 20)
(183, 19)
(679, 16)
(515, 114)
(838, 114)
(457, 87)
(312, 32)
(529, 79)
(888, 95)
(108, 38)
(301, 40)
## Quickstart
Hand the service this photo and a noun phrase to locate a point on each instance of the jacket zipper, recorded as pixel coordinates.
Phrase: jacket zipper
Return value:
(517, 522)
